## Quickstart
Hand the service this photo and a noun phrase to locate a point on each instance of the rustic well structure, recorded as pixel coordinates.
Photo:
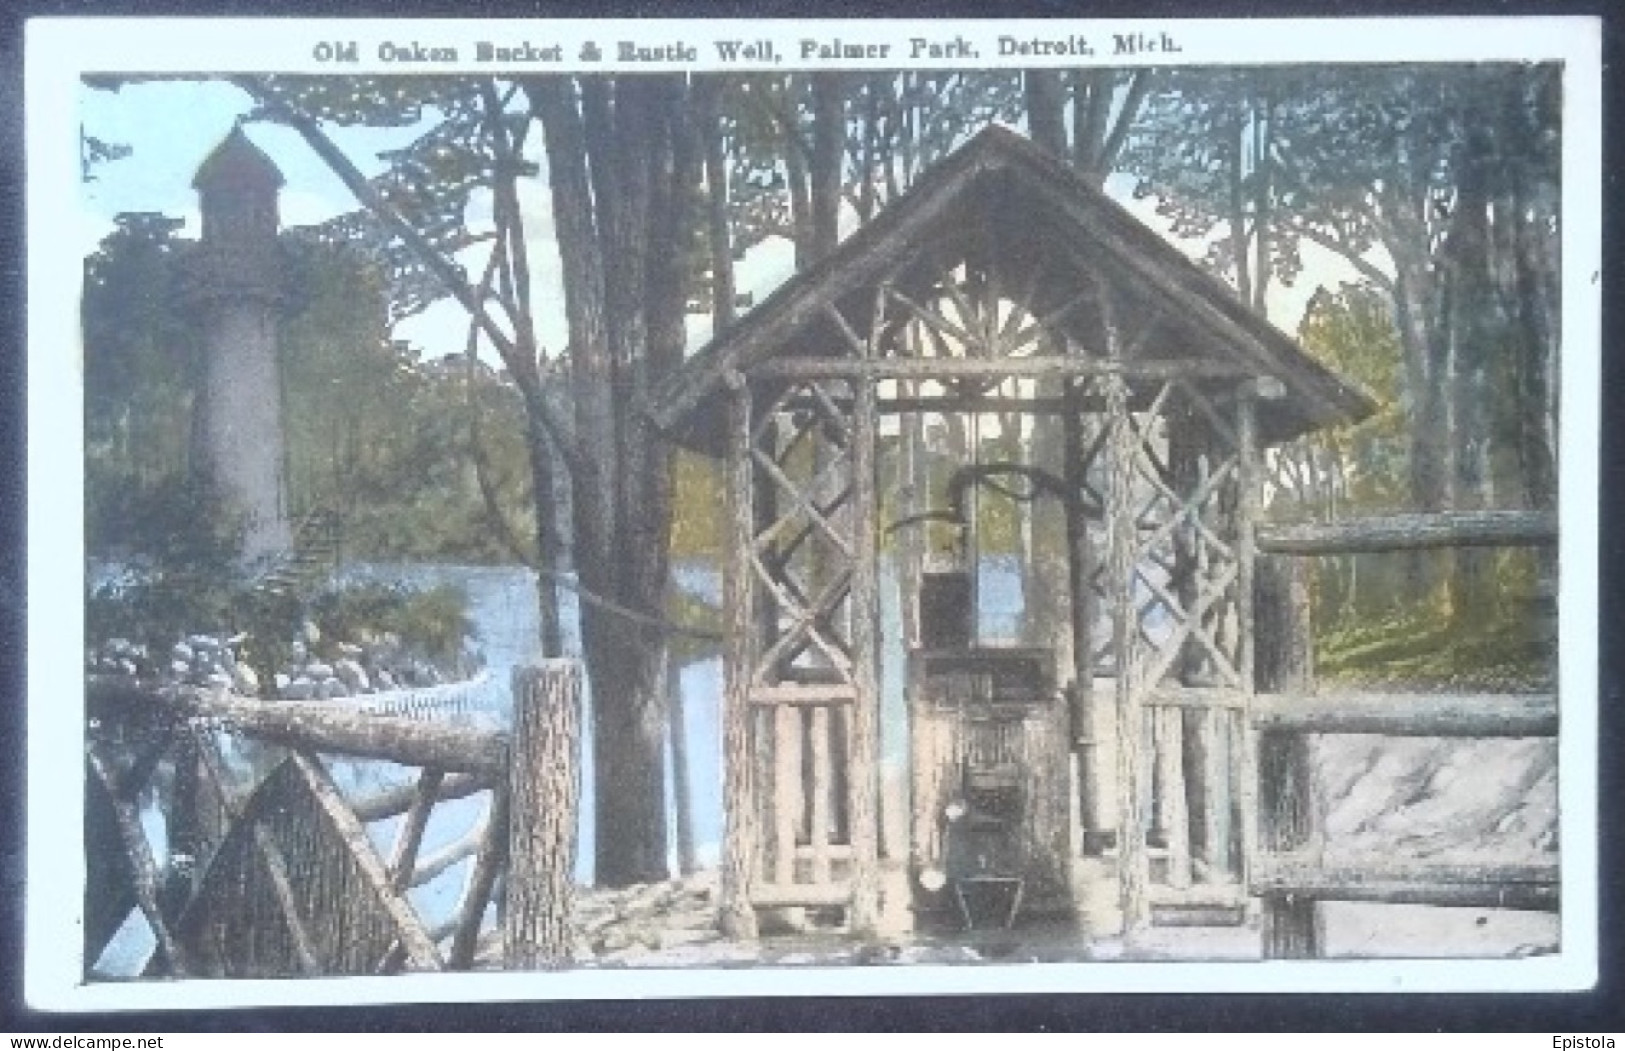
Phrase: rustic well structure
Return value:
(1004, 286)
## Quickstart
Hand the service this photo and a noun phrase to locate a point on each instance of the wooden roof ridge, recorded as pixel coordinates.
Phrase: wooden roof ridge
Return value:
(1325, 399)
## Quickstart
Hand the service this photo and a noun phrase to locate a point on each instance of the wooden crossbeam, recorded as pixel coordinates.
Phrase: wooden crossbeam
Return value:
(954, 368)
(394, 802)
(1189, 627)
(818, 695)
(334, 727)
(821, 617)
(1413, 532)
(832, 415)
(804, 502)
(1381, 879)
(782, 555)
(811, 895)
(1044, 324)
(1411, 714)
(1220, 425)
(450, 855)
(934, 322)
(1190, 509)
(854, 341)
(805, 620)
(403, 860)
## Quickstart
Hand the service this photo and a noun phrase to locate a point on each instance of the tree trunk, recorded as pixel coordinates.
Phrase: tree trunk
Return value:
(718, 236)
(544, 792)
(1474, 330)
(548, 542)
(622, 166)
(824, 171)
(681, 787)
(1046, 103)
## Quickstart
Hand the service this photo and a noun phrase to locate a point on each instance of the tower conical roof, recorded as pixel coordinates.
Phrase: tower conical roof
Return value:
(237, 162)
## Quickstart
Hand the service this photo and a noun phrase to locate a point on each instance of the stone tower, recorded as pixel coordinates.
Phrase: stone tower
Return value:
(240, 285)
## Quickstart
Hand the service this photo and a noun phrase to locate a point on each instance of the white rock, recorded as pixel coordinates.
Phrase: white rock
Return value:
(300, 689)
(671, 939)
(280, 681)
(219, 680)
(182, 652)
(312, 633)
(317, 670)
(353, 675)
(181, 669)
(245, 681)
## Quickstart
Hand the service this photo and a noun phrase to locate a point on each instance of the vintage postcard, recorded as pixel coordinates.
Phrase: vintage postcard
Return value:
(558, 509)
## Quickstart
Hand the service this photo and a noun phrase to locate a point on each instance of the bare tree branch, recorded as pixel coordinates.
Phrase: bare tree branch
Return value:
(449, 273)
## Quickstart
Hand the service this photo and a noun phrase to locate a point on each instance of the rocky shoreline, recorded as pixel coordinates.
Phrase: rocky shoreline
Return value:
(315, 669)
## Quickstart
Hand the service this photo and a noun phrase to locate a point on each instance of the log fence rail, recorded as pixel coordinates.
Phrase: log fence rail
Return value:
(283, 877)
(1286, 873)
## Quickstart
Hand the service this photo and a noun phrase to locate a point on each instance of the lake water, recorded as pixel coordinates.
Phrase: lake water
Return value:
(502, 603)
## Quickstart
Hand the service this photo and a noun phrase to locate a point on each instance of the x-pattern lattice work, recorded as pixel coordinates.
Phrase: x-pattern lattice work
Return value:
(803, 555)
(1185, 558)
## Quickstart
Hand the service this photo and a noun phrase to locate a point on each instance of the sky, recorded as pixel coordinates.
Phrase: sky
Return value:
(171, 126)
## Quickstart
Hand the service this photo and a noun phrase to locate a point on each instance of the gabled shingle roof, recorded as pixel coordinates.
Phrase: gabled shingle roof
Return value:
(1042, 206)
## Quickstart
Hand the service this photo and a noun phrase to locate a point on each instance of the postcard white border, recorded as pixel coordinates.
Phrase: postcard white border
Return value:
(59, 50)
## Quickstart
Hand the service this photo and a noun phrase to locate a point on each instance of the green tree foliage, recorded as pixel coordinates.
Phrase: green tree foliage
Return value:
(377, 438)
(139, 357)
(1438, 186)
(1351, 331)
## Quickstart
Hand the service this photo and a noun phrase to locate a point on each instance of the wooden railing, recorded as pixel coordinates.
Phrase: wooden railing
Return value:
(1286, 875)
(273, 870)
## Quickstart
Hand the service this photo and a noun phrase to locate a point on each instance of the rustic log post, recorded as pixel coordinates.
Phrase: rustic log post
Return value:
(865, 600)
(1092, 810)
(1290, 815)
(740, 819)
(787, 792)
(1133, 875)
(1249, 507)
(544, 786)
(1172, 810)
